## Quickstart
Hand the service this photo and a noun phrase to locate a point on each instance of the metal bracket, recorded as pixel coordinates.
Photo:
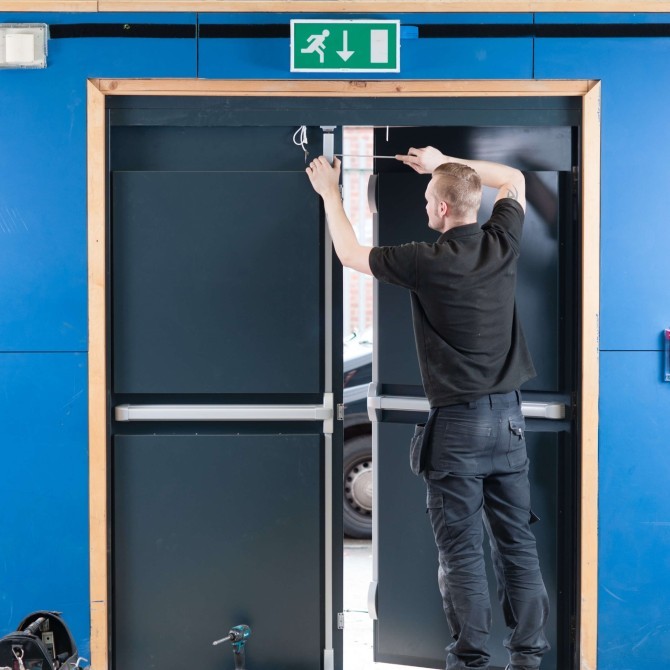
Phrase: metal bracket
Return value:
(372, 600)
(328, 406)
(340, 620)
(329, 142)
(340, 412)
(374, 411)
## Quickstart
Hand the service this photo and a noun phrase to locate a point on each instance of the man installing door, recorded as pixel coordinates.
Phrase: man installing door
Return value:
(473, 360)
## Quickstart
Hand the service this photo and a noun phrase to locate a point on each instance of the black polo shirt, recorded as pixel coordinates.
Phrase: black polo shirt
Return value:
(468, 335)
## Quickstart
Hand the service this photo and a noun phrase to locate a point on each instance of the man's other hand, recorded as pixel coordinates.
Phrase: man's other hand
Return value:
(325, 178)
(423, 161)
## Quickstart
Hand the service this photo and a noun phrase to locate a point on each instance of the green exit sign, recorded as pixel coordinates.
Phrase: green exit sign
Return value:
(345, 46)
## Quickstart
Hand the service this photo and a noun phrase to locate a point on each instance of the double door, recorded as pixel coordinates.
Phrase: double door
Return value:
(225, 378)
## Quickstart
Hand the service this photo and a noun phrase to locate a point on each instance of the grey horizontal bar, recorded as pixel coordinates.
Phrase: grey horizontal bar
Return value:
(222, 413)
(531, 410)
(543, 410)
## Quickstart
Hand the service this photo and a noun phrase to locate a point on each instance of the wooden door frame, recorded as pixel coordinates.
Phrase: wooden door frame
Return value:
(97, 131)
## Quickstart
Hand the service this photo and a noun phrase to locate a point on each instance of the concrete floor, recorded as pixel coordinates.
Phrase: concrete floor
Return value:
(357, 623)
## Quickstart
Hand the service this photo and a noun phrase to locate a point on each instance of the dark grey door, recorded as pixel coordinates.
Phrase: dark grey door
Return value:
(410, 627)
(222, 361)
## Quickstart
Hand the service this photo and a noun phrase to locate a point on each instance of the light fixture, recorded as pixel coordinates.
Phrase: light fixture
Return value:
(23, 45)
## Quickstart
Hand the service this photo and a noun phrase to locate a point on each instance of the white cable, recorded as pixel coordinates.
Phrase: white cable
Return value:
(302, 140)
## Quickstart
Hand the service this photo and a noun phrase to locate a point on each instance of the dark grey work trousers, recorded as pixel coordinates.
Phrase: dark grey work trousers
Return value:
(477, 476)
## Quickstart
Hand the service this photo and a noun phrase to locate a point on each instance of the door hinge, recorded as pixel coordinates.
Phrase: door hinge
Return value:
(340, 620)
(340, 412)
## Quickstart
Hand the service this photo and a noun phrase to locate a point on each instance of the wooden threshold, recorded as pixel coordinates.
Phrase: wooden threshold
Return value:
(98, 89)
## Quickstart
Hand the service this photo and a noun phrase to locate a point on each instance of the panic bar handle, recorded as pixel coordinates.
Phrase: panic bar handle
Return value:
(530, 409)
(230, 412)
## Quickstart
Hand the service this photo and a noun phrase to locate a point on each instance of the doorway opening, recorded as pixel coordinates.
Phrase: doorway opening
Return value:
(357, 170)
(414, 98)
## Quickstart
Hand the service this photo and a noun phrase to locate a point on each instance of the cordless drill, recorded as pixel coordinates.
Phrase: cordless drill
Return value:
(238, 636)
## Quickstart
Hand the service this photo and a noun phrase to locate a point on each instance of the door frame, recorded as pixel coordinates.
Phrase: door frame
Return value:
(97, 134)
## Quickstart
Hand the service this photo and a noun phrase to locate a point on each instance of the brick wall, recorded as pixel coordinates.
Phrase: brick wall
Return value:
(357, 141)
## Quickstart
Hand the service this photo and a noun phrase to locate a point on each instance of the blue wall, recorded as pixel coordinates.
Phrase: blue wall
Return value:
(43, 319)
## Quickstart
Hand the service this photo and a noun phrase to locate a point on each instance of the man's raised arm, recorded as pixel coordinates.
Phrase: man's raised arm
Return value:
(509, 181)
(326, 182)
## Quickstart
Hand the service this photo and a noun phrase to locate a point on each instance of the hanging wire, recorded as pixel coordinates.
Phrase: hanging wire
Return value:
(300, 140)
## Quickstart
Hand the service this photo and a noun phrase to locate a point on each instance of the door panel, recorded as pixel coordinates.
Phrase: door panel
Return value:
(213, 291)
(193, 556)
(199, 138)
(411, 627)
(218, 294)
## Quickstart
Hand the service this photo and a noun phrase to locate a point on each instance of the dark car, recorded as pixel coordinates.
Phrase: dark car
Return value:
(357, 456)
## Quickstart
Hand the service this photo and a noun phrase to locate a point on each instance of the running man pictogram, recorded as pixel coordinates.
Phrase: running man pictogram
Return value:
(316, 44)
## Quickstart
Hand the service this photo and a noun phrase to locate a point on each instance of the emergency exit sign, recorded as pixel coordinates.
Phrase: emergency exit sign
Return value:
(345, 46)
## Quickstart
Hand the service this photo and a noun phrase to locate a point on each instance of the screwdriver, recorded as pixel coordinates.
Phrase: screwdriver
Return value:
(354, 156)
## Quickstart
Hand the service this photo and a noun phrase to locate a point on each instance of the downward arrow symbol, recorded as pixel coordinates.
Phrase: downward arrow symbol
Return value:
(345, 54)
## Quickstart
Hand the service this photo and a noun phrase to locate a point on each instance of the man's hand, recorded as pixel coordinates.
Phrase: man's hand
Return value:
(325, 178)
(423, 161)
(326, 182)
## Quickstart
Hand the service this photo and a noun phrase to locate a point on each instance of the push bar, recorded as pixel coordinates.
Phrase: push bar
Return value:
(531, 410)
(230, 413)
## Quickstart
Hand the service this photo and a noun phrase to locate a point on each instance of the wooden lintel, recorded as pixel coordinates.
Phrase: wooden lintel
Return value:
(356, 88)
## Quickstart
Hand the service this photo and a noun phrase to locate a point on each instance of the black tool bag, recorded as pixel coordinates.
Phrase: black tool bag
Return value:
(42, 642)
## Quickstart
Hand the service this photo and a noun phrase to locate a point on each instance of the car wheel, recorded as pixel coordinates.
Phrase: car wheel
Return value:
(357, 471)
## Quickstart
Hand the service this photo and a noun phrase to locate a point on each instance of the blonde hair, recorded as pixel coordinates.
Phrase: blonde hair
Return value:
(459, 186)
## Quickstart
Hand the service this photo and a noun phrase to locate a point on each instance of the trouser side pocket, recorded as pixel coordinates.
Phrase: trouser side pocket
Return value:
(416, 459)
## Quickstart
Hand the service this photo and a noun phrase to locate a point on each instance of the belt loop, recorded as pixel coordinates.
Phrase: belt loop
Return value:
(518, 397)
(491, 400)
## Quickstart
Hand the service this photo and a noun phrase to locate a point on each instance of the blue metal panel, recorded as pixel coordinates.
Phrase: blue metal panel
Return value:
(43, 298)
(43, 176)
(579, 18)
(634, 535)
(53, 18)
(436, 58)
(44, 510)
(269, 58)
(635, 137)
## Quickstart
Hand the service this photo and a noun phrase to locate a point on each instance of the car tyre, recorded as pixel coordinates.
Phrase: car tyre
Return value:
(357, 481)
